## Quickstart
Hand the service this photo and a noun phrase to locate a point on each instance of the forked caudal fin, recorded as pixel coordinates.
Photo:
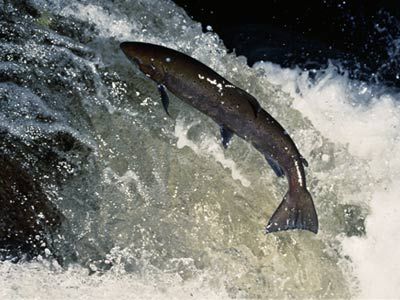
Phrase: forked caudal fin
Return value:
(296, 211)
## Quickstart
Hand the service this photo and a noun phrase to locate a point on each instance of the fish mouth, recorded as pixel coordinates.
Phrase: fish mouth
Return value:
(137, 61)
(133, 51)
(126, 47)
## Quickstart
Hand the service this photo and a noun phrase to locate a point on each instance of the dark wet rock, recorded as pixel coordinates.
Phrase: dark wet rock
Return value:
(49, 90)
(26, 7)
(28, 218)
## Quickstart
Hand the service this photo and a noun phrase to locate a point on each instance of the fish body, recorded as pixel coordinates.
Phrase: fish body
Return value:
(237, 112)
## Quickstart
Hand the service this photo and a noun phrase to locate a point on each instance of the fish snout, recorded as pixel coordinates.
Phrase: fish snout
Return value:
(145, 58)
(133, 52)
(130, 50)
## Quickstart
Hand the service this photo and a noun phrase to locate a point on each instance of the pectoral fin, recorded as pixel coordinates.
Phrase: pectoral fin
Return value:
(275, 166)
(226, 135)
(164, 97)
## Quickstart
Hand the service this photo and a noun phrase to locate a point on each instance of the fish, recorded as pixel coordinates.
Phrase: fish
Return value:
(237, 113)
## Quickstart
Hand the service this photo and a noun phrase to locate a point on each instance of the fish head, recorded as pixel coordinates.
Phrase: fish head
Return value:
(148, 57)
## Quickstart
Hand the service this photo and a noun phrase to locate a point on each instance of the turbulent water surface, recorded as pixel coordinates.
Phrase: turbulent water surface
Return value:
(152, 206)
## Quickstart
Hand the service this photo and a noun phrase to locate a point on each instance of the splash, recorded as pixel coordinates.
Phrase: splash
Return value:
(366, 119)
(156, 207)
(209, 146)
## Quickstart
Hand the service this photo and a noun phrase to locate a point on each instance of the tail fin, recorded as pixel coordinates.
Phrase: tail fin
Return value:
(296, 211)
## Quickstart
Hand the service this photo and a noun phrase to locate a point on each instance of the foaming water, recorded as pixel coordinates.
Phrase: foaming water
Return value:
(207, 145)
(155, 207)
(48, 281)
(366, 119)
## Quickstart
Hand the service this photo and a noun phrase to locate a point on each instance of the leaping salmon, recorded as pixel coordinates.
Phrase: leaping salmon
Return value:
(237, 112)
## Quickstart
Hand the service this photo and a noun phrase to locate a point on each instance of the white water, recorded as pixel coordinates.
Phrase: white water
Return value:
(36, 281)
(181, 218)
(367, 120)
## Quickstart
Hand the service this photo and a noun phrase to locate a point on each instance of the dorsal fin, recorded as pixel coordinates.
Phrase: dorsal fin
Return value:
(256, 106)
(304, 161)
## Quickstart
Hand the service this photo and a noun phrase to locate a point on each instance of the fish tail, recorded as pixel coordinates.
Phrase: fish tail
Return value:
(296, 211)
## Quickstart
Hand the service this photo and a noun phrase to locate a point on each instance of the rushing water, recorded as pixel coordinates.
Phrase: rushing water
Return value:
(154, 207)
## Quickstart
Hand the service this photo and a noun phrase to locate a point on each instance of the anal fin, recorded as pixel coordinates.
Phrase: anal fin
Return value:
(226, 135)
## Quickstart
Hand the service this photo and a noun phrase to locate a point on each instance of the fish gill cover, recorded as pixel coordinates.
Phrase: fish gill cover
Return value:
(153, 207)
